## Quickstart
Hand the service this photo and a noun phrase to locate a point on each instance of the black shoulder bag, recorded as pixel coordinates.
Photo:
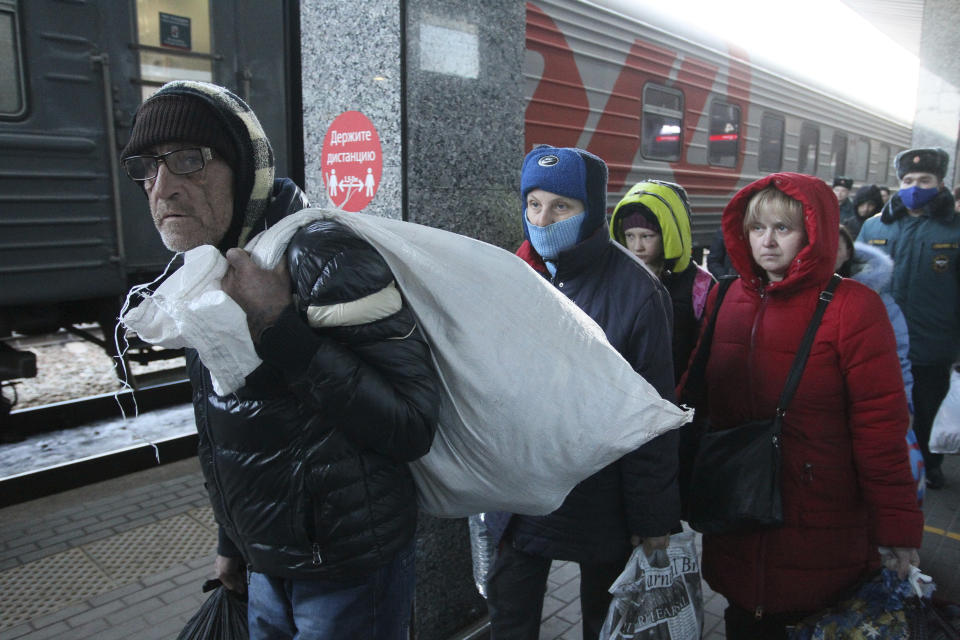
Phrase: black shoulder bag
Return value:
(736, 476)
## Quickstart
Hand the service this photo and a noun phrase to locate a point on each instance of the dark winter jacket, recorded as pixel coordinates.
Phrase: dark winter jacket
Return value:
(718, 262)
(926, 273)
(637, 494)
(306, 463)
(847, 485)
(847, 211)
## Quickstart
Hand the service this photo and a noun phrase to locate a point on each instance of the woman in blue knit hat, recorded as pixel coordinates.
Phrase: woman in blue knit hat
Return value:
(636, 498)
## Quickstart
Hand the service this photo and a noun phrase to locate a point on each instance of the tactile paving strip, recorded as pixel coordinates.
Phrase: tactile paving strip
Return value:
(47, 585)
(57, 581)
(204, 516)
(150, 549)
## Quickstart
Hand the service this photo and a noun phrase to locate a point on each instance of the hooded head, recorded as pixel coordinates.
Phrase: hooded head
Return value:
(210, 115)
(868, 194)
(668, 204)
(871, 266)
(814, 263)
(572, 173)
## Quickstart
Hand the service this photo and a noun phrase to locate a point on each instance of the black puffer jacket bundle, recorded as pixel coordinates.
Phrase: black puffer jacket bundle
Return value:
(306, 463)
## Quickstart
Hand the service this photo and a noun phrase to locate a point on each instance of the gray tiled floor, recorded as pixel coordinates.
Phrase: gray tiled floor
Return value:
(939, 557)
(53, 549)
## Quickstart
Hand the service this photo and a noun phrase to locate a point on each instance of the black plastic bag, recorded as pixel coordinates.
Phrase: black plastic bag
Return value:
(222, 617)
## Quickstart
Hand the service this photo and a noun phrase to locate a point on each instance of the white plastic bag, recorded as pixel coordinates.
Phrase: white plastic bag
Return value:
(945, 432)
(658, 598)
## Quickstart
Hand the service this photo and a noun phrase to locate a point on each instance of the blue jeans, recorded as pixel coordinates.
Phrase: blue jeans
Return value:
(376, 606)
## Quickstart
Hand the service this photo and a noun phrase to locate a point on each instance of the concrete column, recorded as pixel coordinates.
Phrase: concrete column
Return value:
(441, 82)
(938, 91)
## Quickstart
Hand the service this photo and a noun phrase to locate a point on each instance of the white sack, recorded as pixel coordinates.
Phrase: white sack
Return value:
(945, 432)
(534, 397)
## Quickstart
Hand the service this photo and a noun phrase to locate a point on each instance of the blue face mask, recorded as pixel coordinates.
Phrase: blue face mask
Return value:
(550, 240)
(916, 198)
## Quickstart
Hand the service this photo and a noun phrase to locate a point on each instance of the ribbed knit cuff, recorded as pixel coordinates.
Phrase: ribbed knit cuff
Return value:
(225, 546)
(288, 344)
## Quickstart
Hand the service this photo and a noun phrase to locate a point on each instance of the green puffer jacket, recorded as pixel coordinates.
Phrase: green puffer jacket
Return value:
(926, 273)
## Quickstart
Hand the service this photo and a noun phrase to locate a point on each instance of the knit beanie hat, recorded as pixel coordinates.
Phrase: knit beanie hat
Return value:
(572, 173)
(210, 115)
(640, 216)
(928, 160)
(180, 118)
(843, 181)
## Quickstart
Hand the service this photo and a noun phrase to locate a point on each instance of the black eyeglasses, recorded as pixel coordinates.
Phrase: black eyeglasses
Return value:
(180, 162)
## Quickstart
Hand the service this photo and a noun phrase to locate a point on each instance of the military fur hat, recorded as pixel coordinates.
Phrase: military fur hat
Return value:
(843, 181)
(928, 160)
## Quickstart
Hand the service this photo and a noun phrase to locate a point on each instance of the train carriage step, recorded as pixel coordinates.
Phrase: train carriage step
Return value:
(16, 364)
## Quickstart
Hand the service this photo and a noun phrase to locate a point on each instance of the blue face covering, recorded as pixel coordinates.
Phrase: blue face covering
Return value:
(550, 240)
(916, 198)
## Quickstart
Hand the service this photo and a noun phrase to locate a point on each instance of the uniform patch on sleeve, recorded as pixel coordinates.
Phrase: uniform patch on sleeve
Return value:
(946, 245)
(879, 241)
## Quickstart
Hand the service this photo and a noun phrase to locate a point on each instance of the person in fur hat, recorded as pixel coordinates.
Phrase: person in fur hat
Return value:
(306, 463)
(920, 229)
(635, 499)
(841, 188)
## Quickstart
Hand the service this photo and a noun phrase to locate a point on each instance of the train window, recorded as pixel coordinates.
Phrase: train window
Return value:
(809, 149)
(770, 157)
(724, 141)
(838, 154)
(661, 137)
(861, 159)
(12, 101)
(174, 39)
(883, 173)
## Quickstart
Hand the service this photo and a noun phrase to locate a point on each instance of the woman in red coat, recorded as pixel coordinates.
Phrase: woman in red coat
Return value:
(847, 487)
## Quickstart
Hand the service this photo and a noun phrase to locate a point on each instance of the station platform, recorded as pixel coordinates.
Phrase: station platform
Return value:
(127, 557)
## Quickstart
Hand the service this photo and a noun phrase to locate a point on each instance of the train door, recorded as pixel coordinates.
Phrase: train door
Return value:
(73, 228)
(59, 218)
(244, 46)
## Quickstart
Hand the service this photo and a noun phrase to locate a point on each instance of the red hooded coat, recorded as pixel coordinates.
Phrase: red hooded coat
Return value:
(847, 486)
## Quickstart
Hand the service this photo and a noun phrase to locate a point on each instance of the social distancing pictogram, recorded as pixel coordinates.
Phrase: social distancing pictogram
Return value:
(352, 161)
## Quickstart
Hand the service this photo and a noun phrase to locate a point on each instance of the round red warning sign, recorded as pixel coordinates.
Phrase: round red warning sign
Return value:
(352, 161)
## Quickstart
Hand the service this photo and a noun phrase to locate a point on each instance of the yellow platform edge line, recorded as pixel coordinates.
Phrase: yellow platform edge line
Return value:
(941, 532)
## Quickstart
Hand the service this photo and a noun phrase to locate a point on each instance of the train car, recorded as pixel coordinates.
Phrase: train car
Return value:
(75, 233)
(652, 98)
(657, 101)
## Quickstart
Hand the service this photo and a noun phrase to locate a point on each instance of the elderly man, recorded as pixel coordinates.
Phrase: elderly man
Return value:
(306, 463)
(920, 230)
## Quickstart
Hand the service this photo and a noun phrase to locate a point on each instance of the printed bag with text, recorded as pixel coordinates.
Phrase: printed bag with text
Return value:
(658, 598)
